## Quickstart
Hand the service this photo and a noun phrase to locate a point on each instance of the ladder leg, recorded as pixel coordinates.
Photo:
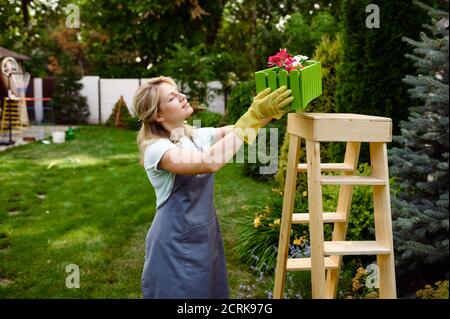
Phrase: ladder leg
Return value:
(383, 221)
(286, 218)
(316, 219)
(343, 207)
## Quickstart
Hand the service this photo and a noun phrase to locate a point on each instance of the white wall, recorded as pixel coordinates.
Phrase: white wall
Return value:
(104, 93)
(91, 91)
(216, 101)
(38, 105)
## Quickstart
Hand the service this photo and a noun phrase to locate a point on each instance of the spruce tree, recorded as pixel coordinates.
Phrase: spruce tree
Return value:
(70, 106)
(420, 164)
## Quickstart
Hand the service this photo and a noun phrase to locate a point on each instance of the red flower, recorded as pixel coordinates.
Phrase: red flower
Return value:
(283, 60)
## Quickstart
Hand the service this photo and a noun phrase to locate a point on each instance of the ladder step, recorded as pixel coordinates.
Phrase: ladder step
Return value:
(355, 248)
(303, 218)
(305, 264)
(12, 122)
(351, 180)
(335, 167)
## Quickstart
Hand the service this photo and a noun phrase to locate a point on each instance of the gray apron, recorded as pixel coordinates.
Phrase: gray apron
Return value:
(184, 255)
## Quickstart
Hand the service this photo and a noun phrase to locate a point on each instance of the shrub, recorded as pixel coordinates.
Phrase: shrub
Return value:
(192, 68)
(132, 123)
(206, 118)
(70, 106)
(440, 291)
(239, 101)
(257, 169)
(353, 283)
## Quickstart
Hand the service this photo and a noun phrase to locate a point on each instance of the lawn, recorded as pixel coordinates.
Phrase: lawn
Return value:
(88, 202)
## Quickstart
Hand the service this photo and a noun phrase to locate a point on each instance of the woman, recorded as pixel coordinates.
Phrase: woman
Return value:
(184, 256)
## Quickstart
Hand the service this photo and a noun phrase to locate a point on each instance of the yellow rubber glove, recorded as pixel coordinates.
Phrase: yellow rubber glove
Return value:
(265, 105)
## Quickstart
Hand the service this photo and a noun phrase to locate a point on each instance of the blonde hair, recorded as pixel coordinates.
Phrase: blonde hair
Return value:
(146, 104)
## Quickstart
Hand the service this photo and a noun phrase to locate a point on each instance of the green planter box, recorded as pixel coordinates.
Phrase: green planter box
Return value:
(305, 84)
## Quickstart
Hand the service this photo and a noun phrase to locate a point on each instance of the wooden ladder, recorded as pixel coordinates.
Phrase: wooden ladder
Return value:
(10, 115)
(326, 256)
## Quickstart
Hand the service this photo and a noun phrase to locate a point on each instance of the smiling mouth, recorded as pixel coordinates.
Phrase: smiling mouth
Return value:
(184, 106)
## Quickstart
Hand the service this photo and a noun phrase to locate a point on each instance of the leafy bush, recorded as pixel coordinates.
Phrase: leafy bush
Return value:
(206, 118)
(192, 68)
(353, 283)
(70, 107)
(239, 101)
(266, 164)
(440, 291)
(132, 123)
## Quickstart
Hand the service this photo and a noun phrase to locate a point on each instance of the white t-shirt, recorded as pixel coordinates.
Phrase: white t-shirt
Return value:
(161, 179)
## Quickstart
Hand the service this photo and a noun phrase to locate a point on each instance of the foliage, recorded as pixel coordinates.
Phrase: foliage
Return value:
(420, 166)
(138, 40)
(240, 99)
(69, 105)
(373, 63)
(192, 69)
(298, 34)
(120, 116)
(205, 119)
(356, 287)
(264, 164)
(302, 35)
(133, 123)
(439, 291)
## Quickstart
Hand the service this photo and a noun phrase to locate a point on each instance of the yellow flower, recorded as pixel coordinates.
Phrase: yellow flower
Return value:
(257, 222)
(298, 241)
(277, 221)
(277, 190)
(305, 193)
(361, 270)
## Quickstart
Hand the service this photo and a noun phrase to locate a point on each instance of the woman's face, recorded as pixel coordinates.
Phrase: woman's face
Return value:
(173, 106)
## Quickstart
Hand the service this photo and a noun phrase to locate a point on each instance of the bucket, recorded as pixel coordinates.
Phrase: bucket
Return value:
(58, 137)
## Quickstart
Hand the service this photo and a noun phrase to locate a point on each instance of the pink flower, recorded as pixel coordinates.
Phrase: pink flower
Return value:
(284, 60)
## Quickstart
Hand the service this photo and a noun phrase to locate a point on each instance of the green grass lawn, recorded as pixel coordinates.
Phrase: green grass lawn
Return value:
(88, 202)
